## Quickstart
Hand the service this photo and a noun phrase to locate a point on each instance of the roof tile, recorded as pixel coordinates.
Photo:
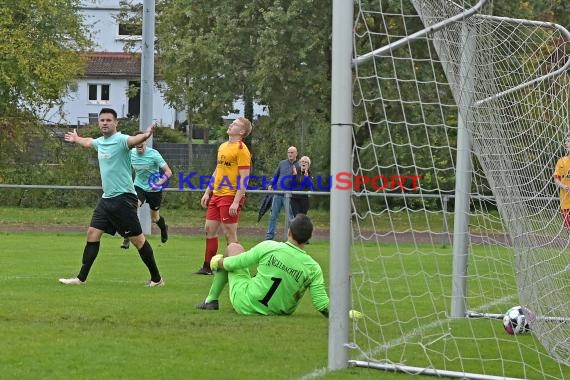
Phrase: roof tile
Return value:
(113, 64)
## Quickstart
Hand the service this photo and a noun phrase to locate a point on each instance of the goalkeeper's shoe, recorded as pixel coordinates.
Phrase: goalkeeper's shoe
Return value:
(212, 305)
(125, 244)
(72, 281)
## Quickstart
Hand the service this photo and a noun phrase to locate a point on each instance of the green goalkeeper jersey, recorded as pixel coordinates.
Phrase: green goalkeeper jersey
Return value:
(284, 273)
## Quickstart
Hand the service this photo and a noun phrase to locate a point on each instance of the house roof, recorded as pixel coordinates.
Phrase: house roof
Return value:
(113, 64)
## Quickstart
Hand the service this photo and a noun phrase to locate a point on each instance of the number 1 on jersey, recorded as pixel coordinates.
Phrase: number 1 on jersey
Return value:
(269, 294)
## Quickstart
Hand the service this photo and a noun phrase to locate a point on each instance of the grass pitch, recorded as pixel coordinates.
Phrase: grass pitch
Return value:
(115, 328)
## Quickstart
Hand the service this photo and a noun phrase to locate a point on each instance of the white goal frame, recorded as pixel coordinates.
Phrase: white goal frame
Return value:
(341, 161)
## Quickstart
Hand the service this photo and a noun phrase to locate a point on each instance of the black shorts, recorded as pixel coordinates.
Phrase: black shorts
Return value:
(153, 198)
(117, 214)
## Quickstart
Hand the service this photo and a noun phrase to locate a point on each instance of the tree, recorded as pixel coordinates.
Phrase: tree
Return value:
(275, 53)
(206, 56)
(39, 59)
(278, 53)
(39, 50)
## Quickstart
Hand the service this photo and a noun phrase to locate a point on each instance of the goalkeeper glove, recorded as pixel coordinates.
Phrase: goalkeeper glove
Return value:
(215, 261)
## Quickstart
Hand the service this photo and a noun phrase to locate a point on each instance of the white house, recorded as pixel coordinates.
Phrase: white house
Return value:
(109, 73)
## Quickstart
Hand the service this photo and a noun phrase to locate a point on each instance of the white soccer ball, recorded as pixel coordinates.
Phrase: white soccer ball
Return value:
(515, 321)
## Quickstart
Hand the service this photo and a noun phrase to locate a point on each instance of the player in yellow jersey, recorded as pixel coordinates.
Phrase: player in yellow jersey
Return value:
(562, 179)
(225, 196)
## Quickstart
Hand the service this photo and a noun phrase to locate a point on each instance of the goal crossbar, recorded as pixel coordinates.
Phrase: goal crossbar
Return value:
(419, 34)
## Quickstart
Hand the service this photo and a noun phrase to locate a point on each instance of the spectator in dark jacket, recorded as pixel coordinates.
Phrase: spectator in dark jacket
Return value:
(304, 180)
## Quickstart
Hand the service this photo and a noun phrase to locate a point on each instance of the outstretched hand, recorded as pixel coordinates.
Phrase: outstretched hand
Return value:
(150, 129)
(71, 136)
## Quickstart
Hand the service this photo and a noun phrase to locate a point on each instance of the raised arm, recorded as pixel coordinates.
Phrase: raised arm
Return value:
(73, 137)
(138, 139)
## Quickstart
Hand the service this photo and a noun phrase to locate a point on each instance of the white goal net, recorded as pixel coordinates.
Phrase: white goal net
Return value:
(475, 110)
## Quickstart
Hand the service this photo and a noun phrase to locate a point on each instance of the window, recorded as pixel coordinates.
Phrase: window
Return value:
(130, 29)
(93, 92)
(105, 92)
(99, 93)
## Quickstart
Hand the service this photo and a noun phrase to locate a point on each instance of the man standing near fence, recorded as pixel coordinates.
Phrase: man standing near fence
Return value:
(116, 211)
(283, 178)
(152, 174)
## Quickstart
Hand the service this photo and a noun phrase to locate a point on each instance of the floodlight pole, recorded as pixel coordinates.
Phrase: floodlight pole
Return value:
(147, 84)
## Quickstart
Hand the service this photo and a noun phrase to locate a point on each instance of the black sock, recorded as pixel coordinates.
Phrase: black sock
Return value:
(161, 223)
(89, 255)
(147, 257)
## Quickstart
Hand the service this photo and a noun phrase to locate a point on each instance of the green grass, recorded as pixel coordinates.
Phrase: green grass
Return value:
(181, 217)
(175, 217)
(114, 328)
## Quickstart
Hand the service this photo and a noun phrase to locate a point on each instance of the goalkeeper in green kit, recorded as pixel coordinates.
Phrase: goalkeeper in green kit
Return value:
(284, 272)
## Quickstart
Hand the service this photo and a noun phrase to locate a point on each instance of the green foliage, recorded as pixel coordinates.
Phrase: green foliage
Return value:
(205, 49)
(39, 59)
(274, 53)
(39, 51)
(557, 11)
(132, 126)
(40, 156)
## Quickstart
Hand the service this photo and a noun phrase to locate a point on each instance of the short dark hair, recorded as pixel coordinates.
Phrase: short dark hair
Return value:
(301, 228)
(108, 110)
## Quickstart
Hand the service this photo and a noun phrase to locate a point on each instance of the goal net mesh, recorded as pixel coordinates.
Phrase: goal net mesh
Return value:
(505, 79)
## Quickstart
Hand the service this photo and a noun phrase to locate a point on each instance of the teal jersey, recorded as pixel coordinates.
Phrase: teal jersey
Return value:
(284, 273)
(114, 164)
(145, 165)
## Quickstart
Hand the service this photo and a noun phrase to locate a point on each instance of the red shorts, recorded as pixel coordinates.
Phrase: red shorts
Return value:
(565, 217)
(219, 209)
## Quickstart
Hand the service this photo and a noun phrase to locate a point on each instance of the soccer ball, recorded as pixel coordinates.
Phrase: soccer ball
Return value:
(515, 321)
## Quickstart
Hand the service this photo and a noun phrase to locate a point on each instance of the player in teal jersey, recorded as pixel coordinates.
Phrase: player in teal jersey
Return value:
(152, 174)
(284, 272)
(116, 211)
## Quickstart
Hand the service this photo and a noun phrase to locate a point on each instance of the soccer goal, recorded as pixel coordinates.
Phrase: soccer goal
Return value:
(473, 107)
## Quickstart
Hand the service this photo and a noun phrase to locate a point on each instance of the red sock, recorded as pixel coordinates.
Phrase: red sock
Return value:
(211, 251)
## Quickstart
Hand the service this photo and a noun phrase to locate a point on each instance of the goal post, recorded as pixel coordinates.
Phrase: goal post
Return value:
(475, 108)
(340, 205)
